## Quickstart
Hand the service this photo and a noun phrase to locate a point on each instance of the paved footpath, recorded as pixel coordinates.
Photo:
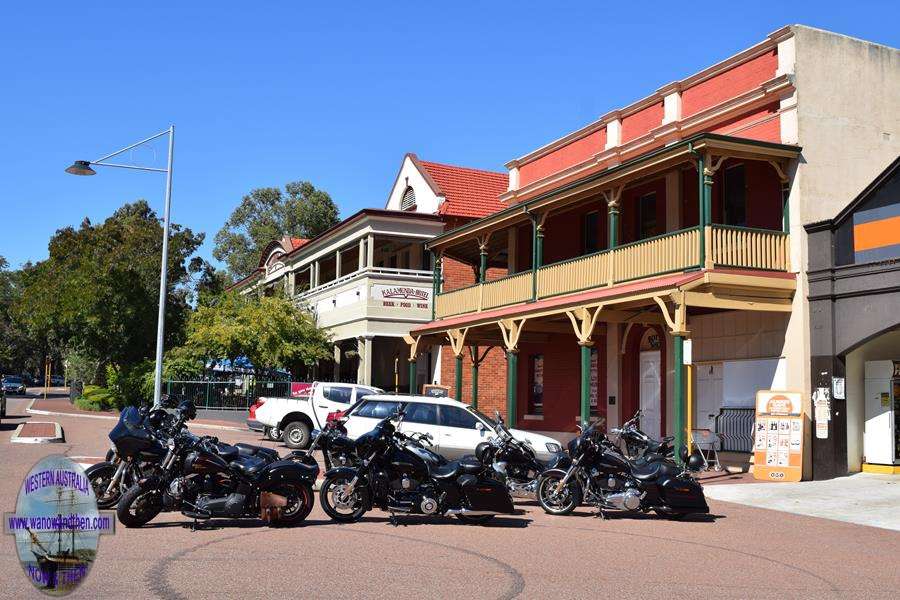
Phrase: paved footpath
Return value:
(740, 552)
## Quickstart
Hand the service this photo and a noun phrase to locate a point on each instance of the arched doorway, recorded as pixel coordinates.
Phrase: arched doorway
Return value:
(644, 378)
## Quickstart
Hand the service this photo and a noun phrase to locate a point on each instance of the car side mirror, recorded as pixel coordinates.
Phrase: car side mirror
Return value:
(479, 426)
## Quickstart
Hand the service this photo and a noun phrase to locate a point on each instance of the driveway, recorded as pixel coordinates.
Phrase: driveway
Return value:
(739, 552)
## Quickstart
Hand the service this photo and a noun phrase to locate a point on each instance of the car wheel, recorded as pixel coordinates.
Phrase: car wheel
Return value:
(296, 435)
(272, 433)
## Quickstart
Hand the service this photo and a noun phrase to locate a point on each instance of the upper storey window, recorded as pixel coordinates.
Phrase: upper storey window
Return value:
(409, 199)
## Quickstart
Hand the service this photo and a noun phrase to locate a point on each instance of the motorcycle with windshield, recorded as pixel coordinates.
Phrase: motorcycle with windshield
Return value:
(400, 474)
(138, 446)
(203, 479)
(598, 474)
(513, 461)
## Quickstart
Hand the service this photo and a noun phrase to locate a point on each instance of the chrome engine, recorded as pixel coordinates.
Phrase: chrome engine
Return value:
(517, 489)
(630, 499)
(428, 506)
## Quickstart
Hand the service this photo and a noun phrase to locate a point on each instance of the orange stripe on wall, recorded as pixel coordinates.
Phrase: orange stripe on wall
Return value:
(876, 234)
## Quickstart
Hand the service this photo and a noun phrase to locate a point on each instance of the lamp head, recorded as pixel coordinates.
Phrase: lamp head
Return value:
(81, 167)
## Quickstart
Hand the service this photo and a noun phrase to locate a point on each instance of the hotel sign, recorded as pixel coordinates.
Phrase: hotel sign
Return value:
(402, 296)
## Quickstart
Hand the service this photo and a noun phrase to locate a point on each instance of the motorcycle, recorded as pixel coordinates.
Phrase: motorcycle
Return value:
(598, 474)
(138, 447)
(205, 479)
(399, 474)
(513, 461)
(337, 448)
(635, 444)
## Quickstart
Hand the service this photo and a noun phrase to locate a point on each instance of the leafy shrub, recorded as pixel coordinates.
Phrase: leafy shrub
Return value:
(95, 397)
(128, 383)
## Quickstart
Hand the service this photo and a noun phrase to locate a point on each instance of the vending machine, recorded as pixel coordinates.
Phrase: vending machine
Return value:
(881, 438)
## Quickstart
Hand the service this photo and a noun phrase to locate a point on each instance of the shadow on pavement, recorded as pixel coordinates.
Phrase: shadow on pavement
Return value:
(217, 524)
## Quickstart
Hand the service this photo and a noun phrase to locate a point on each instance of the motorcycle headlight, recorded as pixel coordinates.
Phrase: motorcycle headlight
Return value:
(553, 447)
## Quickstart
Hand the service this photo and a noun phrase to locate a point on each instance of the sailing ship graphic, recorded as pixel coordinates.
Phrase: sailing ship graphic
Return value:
(62, 554)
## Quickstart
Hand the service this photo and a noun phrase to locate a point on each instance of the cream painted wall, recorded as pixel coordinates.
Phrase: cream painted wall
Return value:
(848, 117)
(737, 335)
(426, 200)
(884, 347)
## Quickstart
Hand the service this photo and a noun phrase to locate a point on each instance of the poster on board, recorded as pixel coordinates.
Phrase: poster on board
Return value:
(778, 436)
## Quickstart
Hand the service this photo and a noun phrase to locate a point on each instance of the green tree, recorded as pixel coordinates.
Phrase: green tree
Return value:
(271, 332)
(96, 295)
(267, 214)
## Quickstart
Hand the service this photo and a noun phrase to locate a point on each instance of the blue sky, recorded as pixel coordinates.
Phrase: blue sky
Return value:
(335, 93)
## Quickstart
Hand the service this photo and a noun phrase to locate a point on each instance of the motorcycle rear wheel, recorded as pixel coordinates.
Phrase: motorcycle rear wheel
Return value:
(337, 504)
(300, 503)
(100, 476)
(138, 506)
(562, 503)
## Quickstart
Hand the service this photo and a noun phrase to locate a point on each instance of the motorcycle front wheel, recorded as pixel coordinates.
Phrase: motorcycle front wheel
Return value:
(558, 502)
(138, 506)
(100, 476)
(338, 504)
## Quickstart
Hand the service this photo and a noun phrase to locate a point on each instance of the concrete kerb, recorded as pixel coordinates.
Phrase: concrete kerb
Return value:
(57, 438)
(35, 411)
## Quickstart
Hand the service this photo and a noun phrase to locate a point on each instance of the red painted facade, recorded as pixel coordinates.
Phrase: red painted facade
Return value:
(561, 158)
(643, 121)
(727, 85)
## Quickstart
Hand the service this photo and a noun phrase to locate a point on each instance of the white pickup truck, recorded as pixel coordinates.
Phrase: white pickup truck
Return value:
(295, 418)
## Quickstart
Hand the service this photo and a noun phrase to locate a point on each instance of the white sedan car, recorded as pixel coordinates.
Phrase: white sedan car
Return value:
(455, 428)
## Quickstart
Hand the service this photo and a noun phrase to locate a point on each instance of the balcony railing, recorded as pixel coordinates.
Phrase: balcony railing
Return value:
(674, 252)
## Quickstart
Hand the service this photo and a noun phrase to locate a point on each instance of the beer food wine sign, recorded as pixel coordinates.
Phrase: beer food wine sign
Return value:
(401, 296)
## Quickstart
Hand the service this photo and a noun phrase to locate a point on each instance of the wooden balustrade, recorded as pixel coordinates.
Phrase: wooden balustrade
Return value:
(509, 290)
(576, 274)
(678, 251)
(748, 248)
(457, 302)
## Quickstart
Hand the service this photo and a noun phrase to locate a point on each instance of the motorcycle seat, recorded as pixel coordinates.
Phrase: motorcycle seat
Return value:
(248, 450)
(227, 452)
(456, 467)
(652, 470)
(249, 465)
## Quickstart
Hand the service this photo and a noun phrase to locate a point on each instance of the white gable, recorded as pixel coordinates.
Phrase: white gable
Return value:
(410, 176)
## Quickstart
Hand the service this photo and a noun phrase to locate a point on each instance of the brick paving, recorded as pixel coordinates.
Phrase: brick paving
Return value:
(739, 552)
(38, 430)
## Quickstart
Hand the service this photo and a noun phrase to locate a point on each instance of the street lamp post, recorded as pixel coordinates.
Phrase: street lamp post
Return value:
(83, 167)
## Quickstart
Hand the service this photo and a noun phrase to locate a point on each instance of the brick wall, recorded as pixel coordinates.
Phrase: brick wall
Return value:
(564, 157)
(729, 84)
(491, 379)
(639, 123)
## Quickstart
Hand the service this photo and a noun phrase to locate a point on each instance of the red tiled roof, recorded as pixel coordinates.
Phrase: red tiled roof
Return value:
(468, 192)
(297, 242)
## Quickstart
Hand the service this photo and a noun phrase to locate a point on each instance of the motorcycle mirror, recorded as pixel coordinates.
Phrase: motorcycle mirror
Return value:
(479, 426)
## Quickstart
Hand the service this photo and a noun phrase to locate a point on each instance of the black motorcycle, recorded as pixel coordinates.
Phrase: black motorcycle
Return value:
(513, 461)
(338, 450)
(138, 447)
(205, 479)
(635, 444)
(400, 474)
(598, 474)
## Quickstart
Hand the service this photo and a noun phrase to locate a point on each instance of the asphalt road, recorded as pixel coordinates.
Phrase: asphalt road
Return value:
(739, 552)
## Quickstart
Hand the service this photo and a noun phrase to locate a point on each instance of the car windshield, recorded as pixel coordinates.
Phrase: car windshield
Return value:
(13, 380)
(482, 416)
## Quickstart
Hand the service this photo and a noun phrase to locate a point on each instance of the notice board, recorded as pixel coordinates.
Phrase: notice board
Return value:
(778, 436)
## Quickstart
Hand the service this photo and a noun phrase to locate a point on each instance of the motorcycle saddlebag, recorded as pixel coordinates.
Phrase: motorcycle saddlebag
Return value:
(485, 494)
(287, 471)
(683, 495)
